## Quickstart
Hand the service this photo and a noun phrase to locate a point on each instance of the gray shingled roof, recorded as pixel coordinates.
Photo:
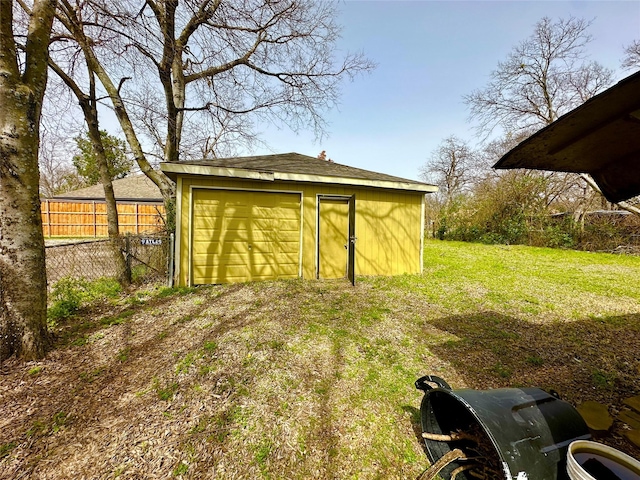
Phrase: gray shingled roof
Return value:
(296, 163)
(134, 188)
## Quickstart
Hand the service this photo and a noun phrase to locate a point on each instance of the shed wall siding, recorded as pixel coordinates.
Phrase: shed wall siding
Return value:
(388, 224)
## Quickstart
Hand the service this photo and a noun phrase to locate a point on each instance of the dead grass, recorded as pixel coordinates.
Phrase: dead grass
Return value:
(306, 379)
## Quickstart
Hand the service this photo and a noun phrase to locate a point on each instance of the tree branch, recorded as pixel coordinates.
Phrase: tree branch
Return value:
(624, 205)
(202, 15)
(35, 72)
(8, 55)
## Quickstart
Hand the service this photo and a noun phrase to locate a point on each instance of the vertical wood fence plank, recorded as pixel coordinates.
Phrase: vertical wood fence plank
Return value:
(48, 218)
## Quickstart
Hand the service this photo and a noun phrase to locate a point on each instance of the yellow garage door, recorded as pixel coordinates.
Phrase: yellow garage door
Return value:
(240, 236)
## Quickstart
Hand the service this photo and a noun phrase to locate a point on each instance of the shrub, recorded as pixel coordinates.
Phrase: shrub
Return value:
(559, 236)
(138, 273)
(69, 294)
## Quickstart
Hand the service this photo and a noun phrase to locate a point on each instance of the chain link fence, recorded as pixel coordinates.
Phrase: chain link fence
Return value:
(148, 258)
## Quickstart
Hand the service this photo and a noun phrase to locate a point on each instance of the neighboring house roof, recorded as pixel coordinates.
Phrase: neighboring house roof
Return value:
(137, 188)
(601, 137)
(293, 167)
(596, 213)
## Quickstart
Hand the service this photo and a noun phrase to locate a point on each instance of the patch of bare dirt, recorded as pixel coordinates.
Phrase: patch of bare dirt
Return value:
(592, 359)
(281, 379)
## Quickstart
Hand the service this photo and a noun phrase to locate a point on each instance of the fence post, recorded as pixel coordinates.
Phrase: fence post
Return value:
(170, 266)
(127, 253)
(48, 217)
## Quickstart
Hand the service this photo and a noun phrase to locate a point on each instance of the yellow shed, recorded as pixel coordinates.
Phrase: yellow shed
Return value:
(290, 215)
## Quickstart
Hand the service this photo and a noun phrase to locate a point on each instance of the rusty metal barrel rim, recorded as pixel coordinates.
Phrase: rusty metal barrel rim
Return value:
(523, 433)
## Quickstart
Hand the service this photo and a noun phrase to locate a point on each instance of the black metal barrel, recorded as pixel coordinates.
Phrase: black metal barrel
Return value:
(527, 430)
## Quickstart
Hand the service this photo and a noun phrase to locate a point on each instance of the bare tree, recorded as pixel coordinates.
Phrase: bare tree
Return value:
(451, 167)
(256, 60)
(225, 66)
(89, 105)
(58, 126)
(543, 77)
(23, 284)
(57, 174)
(631, 60)
(72, 18)
(88, 102)
(562, 191)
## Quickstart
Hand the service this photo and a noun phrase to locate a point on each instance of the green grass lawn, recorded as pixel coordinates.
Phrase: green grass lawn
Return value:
(314, 379)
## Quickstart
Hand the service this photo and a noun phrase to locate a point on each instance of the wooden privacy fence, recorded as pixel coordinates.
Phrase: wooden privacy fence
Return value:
(63, 218)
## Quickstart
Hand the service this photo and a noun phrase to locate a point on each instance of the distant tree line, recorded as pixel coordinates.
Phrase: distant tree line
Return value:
(545, 76)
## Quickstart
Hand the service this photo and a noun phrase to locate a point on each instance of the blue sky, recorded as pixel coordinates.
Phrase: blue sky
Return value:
(429, 54)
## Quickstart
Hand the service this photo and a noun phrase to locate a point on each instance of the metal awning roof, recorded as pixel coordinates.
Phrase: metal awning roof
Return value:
(601, 137)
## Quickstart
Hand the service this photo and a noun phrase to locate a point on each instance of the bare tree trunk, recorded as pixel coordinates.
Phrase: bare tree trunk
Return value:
(110, 199)
(165, 185)
(88, 104)
(23, 283)
(68, 15)
(624, 205)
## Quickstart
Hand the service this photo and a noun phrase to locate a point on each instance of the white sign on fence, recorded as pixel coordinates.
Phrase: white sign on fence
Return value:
(151, 241)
